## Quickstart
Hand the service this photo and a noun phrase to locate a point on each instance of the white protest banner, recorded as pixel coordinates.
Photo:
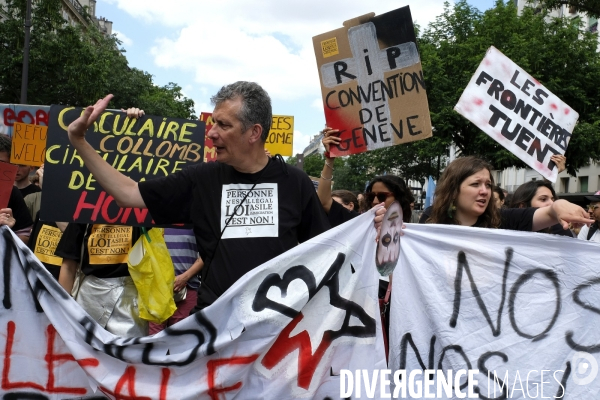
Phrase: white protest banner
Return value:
(283, 331)
(522, 304)
(518, 112)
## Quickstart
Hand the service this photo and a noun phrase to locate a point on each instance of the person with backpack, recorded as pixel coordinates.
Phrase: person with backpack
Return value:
(591, 232)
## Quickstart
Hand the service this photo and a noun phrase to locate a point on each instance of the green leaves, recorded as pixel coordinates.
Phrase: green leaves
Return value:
(76, 65)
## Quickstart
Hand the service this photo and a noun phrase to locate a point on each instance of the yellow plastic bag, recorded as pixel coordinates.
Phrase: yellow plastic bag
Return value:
(153, 273)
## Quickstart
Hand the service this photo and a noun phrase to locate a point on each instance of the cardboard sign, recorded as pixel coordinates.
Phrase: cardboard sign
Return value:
(293, 324)
(210, 153)
(372, 82)
(8, 173)
(516, 306)
(281, 136)
(28, 144)
(518, 112)
(143, 148)
(279, 141)
(27, 114)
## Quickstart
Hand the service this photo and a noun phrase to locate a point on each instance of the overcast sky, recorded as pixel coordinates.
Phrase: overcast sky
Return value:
(203, 45)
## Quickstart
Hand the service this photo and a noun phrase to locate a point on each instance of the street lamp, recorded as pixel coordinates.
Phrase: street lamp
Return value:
(25, 74)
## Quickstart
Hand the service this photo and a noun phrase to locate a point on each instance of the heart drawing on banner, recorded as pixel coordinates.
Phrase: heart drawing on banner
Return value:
(262, 301)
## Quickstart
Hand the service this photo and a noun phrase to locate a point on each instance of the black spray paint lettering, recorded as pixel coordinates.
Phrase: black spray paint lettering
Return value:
(331, 281)
(523, 278)
(544, 125)
(32, 269)
(464, 265)
(595, 348)
(408, 340)
(118, 348)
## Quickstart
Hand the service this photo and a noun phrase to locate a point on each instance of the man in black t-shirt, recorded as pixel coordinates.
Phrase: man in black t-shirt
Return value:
(246, 208)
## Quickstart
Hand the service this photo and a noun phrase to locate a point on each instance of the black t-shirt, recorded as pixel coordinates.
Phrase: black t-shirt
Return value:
(514, 219)
(338, 214)
(43, 241)
(106, 248)
(29, 189)
(281, 211)
(19, 210)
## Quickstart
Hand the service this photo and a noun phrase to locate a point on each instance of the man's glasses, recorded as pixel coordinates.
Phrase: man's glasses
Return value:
(381, 196)
(592, 208)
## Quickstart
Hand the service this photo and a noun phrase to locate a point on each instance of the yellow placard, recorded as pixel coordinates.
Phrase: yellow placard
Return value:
(46, 243)
(329, 47)
(109, 244)
(281, 136)
(28, 144)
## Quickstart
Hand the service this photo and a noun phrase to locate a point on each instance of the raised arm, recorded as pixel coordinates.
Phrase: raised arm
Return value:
(122, 188)
(324, 189)
(563, 212)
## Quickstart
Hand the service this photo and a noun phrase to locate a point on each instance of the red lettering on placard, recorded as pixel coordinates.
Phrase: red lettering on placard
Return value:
(212, 366)
(100, 208)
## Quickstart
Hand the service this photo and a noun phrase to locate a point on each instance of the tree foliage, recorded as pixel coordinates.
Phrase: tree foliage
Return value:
(76, 66)
(590, 7)
(557, 52)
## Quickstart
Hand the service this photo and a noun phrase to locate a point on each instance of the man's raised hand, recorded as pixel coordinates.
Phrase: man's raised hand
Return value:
(78, 127)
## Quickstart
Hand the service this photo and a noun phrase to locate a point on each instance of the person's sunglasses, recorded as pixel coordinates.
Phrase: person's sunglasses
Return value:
(381, 196)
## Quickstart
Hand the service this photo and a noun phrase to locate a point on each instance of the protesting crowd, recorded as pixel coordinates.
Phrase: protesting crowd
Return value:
(208, 259)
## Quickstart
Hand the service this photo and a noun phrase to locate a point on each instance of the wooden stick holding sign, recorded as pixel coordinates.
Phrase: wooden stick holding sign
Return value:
(518, 112)
(372, 82)
(8, 173)
(28, 144)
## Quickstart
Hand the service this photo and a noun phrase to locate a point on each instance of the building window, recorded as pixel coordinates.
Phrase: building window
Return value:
(583, 183)
(533, 179)
(564, 185)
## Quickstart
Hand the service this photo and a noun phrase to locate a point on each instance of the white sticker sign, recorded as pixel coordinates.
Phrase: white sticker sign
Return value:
(248, 212)
(518, 112)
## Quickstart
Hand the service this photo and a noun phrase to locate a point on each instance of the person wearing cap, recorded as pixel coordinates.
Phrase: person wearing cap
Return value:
(592, 233)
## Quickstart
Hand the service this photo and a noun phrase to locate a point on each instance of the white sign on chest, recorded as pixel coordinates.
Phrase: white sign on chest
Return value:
(250, 213)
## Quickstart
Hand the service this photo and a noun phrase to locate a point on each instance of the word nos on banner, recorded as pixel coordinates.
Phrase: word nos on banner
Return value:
(144, 148)
(518, 112)
(280, 140)
(8, 173)
(480, 308)
(27, 114)
(372, 82)
(28, 144)
(293, 325)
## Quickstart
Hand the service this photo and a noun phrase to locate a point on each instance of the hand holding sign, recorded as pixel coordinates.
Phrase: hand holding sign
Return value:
(6, 217)
(78, 127)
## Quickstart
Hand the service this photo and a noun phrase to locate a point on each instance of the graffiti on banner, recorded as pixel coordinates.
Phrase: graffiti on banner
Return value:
(372, 82)
(11, 113)
(518, 112)
(143, 148)
(293, 324)
(483, 299)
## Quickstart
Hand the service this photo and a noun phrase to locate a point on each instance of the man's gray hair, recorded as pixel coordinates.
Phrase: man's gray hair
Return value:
(256, 104)
(5, 143)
